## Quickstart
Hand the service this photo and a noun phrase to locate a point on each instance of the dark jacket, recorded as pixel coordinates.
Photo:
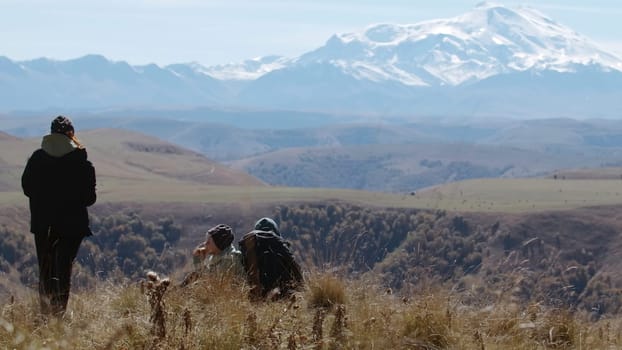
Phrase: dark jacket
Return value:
(269, 264)
(60, 183)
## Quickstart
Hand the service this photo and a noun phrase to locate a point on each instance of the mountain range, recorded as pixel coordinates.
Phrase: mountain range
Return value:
(492, 61)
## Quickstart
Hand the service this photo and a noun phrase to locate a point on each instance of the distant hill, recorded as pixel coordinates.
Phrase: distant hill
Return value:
(126, 156)
(392, 155)
(122, 153)
(5, 136)
(14, 153)
(406, 167)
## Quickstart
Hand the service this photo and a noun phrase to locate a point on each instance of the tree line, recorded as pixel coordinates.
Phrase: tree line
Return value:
(410, 248)
(123, 247)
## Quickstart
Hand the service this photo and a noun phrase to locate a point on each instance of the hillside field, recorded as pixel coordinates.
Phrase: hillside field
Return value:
(481, 195)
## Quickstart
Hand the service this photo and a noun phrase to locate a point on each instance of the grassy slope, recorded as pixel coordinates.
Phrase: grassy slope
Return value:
(524, 195)
(482, 195)
(611, 173)
(123, 156)
(215, 314)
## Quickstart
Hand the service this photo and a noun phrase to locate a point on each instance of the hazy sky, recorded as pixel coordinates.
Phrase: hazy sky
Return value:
(221, 31)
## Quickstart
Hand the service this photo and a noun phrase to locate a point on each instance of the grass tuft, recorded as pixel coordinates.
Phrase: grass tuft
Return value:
(326, 291)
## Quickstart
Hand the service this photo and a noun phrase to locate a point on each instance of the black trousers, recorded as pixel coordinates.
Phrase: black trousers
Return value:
(55, 254)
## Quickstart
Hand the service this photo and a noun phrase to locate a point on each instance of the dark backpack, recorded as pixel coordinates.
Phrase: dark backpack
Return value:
(269, 264)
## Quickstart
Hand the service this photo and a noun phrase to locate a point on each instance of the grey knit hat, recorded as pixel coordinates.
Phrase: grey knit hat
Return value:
(267, 224)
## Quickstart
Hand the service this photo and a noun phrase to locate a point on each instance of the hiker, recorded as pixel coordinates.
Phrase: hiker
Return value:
(59, 181)
(216, 254)
(271, 269)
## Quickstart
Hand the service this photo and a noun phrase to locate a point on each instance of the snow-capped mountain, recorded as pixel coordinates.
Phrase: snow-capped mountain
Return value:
(493, 60)
(490, 40)
(487, 41)
(248, 69)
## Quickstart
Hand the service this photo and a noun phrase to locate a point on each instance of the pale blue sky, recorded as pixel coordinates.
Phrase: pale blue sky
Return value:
(221, 31)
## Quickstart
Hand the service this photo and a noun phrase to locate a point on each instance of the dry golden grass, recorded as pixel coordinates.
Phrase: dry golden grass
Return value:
(326, 291)
(214, 313)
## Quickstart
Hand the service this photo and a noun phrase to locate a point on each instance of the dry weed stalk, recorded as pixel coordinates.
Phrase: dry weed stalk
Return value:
(274, 335)
(339, 324)
(275, 338)
(479, 340)
(318, 323)
(291, 342)
(250, 336)
(187, 317)
(155, 289)
(448, 315)
(9, 308)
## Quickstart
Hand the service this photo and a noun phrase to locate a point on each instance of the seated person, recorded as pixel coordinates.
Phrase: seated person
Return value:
(216, 254)
(272, 271)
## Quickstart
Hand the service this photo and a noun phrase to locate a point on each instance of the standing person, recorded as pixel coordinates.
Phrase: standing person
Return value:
(60, 184)
(216, 254)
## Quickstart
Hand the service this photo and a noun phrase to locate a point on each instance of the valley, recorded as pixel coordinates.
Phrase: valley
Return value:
(483, 224)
